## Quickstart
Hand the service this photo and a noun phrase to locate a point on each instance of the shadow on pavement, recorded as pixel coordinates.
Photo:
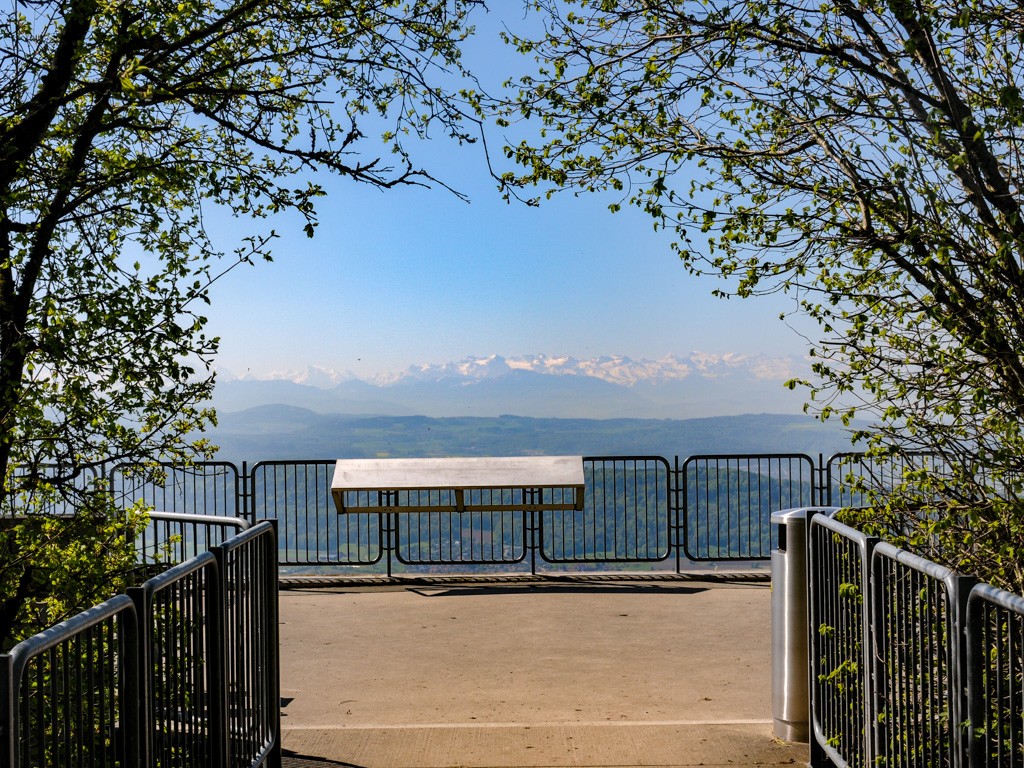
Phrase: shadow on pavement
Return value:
(555, 589)
(291, 759)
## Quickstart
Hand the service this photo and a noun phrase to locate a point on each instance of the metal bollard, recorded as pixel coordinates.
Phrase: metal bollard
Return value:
(790, 696)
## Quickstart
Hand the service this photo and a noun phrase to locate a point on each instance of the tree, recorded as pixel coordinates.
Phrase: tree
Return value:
(122, 126)
(865, 157)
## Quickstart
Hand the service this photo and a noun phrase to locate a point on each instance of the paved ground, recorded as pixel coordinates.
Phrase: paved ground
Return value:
(651, 673)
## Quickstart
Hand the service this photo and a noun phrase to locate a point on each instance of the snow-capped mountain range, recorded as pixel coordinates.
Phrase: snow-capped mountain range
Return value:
(615, 369)
(674, 386)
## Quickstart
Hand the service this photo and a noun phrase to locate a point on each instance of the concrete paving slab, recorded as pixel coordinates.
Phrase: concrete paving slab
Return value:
(673, 673)
(547, 746)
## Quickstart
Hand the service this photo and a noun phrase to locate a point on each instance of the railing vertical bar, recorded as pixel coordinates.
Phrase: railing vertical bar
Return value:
(1013, 694)
(677, 511)
(1000, 694)
(908, 695)
(938, 685)
(636, 510)
(92, 654)
(105, 632)
(940, 647)
(9, 725)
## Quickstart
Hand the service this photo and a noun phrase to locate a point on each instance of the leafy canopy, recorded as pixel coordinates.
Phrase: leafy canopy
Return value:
(864, 157)
(124, 126)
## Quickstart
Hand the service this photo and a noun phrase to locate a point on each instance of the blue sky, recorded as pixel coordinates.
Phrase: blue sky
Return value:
(411, 276)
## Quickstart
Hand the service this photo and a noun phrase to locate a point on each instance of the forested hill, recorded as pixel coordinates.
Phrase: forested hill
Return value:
(285, 432)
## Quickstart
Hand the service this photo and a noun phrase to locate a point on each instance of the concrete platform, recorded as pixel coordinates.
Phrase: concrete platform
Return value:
(663, 673)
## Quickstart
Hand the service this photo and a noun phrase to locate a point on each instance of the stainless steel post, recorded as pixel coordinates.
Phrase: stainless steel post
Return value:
(790, 698)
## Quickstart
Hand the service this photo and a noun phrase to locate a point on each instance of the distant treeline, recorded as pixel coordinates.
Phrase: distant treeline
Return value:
(285, 432)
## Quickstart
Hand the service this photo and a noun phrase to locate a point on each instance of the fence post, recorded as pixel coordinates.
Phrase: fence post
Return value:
(215, 600)
(975, 632)
(533, 538)
(217, 629)
(131, 691)
(390, 522)
(960, 592)
(274, 758)
(675, 513)
(8, 735)
(826, 479)
(818, 758)
(867, 647)
(141, 598)
(243, 496)
(683, 483)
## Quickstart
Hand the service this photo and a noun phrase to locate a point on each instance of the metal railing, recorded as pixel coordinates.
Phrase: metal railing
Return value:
(248, 567)
(728, 501)
(69, 695)
(174, 537)
(995, 623)
(298, 495)
(838, 569)
(627, 515)
(182, 671)
(182, 665)
(208, 488)
(911, 664)
(637, 510)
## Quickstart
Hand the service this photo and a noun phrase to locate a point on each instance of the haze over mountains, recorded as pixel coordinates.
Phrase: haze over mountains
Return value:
(498, 406)
(693, 386)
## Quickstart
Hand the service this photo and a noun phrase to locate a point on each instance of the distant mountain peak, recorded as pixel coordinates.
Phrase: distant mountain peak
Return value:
(614, 369)
(608, 386)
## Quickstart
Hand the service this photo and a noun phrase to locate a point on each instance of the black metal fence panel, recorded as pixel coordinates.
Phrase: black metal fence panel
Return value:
(205, 488)
(248, 571)
(310, 530)
(728, 501)
(849, 477)
(637, 509)
(479, 537)
(923, 668)
(181, 673)
(995, 622)
(69, 695)
(916, 609)
(839, 558)
(170, 538)
(626, 515)
(182, 679)
(25, 500)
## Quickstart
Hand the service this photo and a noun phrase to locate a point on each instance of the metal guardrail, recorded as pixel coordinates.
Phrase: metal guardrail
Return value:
(183, 688)
(638, 509)
(69, 695)
(728, 501)
(627, 515)
(197, 646)
(174, 537)
(310, 531)
(911, 664)
(248, 568)
(849, 475)
(24, 500)
(919, 661)
(995, 641)
(207, 488)
(838, 570)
